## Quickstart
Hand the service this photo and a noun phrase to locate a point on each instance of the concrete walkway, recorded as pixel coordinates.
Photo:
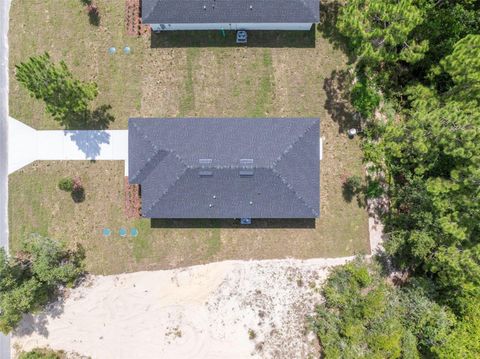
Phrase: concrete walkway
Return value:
(32, 145)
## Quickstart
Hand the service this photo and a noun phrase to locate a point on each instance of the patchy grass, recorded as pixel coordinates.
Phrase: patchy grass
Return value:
(181, 74)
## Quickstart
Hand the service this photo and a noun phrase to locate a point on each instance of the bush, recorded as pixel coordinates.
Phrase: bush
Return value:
(353, 184)
(30, 278)
(41, 354)
(364, 99)
(374, 189)
(363, 316)
(66, 184)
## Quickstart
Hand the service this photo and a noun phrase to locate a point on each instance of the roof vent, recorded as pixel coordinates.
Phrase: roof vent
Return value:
(205, 173)
(251, 7)
(205, 169)
(204, 7)
(246, 167)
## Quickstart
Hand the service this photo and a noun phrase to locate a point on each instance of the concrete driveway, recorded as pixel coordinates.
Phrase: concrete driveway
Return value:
(31, 145)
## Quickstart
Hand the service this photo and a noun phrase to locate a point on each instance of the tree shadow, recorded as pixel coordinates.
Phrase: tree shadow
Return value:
(337, 88)
(347, 193)
(264, 223)
(37, 323)
(98, 119)
(86, 129)
(89, 142)
(327, 27)
(216, 38)
(78, 195)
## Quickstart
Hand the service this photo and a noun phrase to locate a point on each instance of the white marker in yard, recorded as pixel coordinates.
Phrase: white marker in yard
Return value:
(321, 147)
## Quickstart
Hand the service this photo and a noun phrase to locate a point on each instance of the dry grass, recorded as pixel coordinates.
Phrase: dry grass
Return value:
(179, 75)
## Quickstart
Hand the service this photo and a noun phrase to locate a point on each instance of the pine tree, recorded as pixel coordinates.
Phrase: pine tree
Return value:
(379, 30)
(63, 95)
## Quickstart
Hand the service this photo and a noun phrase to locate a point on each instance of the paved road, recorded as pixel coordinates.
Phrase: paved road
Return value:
(4, 9)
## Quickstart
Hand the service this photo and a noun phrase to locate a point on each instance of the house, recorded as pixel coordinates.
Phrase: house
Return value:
(226, 167)
(230, 14)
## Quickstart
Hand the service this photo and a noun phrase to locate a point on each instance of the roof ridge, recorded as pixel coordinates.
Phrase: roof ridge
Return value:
(155, 149)
(168, 188)
(287, 150)
(278, 173)
(290, 187)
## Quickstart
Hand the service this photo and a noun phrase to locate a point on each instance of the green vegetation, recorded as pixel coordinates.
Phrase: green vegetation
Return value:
(65, 97)
(366, 317)
(42, 354)
(365, 99)
(30, 278)
(426, 159)
(66, 184)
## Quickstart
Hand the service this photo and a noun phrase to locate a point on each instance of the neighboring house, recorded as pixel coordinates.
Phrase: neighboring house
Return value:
(226, 168)
(230, 14)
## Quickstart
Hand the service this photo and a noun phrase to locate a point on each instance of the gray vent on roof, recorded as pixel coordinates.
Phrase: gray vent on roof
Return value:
(246, 167)
(205, 173)
(205, 167)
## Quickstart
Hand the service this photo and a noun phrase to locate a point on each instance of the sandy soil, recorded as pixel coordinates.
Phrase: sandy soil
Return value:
(232, 309)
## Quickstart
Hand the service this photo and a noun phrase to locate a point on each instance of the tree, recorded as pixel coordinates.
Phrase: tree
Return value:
(463, 65)
(380, 30)
(33, 275)
(65, 97)
(363, 316)
(463, 341)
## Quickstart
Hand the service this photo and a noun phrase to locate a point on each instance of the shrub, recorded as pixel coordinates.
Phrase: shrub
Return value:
(374, 189)
(41, 354)
(363, 316)
(66, 184)
(354, 184)
(30, 278)
(365, 99)
(93, 14)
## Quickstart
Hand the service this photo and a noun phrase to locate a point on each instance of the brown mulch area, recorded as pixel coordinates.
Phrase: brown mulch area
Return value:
(132, 200)
(133, 18)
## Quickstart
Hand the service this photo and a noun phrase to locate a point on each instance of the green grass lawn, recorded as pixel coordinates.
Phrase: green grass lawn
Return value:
(179, 74)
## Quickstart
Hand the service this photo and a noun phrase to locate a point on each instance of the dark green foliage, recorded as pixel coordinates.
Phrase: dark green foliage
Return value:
(429, 155)
(41, 354)
(364, 99)
(353, 184)
(374, 189)
(66, 184)
(379, 30)
(31, 277)
(65, 97)
(365, 317)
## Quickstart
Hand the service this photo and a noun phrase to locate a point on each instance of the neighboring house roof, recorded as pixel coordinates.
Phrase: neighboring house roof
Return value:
(229, 11)
(226, 167)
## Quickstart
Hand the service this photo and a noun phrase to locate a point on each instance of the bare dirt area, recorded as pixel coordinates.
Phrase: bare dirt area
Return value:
(233, 309)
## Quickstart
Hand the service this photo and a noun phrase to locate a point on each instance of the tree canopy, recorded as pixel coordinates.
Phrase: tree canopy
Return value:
(65, 97)
(30, 278)
(428, 158)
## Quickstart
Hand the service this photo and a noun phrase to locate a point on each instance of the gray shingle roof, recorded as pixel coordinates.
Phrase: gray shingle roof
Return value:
(226, 167)
(229, 11)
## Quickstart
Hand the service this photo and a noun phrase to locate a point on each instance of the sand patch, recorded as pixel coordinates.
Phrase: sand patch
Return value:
(232, 309)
